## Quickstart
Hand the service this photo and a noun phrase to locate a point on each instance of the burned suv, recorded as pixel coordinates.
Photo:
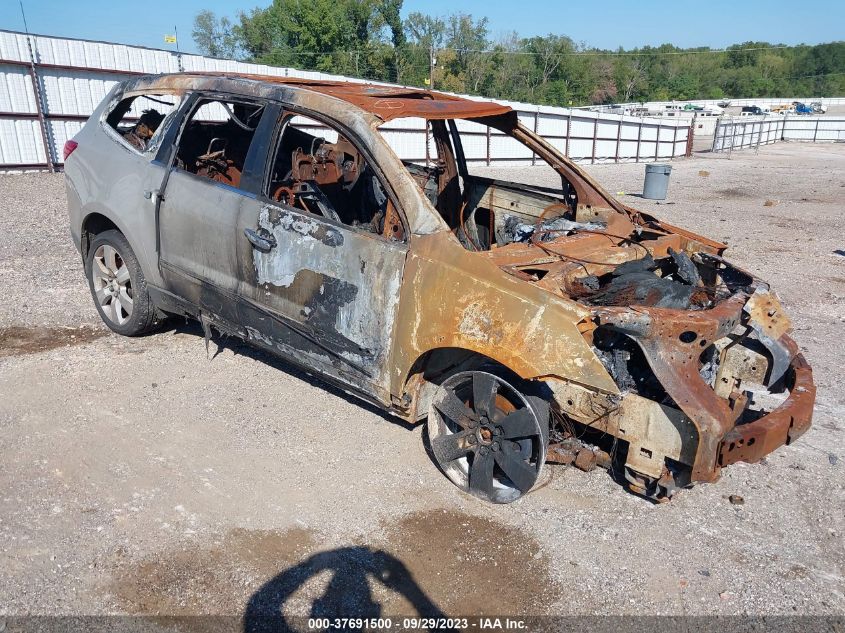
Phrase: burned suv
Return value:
(525, 322)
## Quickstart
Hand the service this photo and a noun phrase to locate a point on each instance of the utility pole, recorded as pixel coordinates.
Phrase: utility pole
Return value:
(23, 15)
(432, 62)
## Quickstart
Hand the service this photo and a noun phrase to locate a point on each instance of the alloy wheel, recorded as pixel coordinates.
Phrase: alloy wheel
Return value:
(486, 436)
(112, 284)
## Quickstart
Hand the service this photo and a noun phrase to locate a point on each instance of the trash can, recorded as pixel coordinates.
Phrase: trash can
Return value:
(656, 181)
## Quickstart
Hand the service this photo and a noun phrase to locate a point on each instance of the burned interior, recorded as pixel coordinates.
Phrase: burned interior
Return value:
(137, 119)
(319, 170)
(216, 139)
(525, 323)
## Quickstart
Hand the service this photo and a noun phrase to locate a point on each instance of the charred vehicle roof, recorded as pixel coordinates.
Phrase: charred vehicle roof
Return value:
(524, 322)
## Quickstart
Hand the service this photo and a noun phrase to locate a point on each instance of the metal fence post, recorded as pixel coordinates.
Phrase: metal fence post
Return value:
(657, 143)
(617, 158)
(716, 134)
(488, 145)
(568, 132)
(733, 139)
(536, 128)
(816, 131)
(639, 139)
(690, 138)
(595, 136)
(39, 104)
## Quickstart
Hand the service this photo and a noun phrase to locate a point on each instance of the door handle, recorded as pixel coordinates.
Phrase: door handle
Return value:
(152, 194)
(261, 242)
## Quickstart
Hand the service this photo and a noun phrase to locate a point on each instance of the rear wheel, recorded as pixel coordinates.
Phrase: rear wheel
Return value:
(487, 436)
(118, 286)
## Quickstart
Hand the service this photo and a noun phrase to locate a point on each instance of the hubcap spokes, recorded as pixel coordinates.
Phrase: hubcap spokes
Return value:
(112, 284)
(496, 450)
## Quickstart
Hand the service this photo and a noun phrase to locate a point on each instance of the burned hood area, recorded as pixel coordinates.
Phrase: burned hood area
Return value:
(687, 337)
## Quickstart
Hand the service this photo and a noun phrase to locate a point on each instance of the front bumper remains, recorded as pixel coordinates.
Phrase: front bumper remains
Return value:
(718, 424)
(752, 441)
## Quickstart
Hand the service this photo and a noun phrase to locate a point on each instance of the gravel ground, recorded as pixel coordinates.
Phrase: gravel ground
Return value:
(143, 476)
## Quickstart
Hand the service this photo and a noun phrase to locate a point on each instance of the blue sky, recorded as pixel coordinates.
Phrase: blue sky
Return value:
(603, 23)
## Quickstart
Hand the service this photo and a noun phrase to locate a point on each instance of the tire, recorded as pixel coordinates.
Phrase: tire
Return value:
(118, 286)
(494, 451)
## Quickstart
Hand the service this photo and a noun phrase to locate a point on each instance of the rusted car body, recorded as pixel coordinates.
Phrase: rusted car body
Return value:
(499, 311)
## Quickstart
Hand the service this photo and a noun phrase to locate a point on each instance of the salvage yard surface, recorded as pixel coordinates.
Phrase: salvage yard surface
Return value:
(144, 476)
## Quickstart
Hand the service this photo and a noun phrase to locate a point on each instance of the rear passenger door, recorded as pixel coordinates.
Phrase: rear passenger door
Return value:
(327, 252)
(133, 170)
(213, 179)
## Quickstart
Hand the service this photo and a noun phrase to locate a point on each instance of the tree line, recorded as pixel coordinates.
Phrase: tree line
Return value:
(369, 39)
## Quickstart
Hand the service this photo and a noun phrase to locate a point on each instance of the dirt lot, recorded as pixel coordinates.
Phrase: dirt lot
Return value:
(141, 476)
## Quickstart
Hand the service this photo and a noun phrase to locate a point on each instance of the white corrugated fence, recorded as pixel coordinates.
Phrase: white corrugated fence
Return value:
(50, 85)
(734, 133)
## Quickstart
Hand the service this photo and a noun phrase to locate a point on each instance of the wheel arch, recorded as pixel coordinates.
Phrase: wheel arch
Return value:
(453, 299)
(434, 365)
(99, 220)
(94, 224)
(141, 311)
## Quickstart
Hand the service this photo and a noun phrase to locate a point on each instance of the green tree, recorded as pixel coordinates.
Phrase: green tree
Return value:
(467, 39)
(425, 31)
(335, 36)
(368, 38)
(214, 36)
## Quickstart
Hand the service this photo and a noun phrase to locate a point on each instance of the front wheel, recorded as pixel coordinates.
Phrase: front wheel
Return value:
(487, 436)
(118, 286)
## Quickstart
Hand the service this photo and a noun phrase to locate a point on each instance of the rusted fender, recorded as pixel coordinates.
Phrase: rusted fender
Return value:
(451, 297)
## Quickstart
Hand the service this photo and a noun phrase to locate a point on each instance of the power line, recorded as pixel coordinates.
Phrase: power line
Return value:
(369, 72)
(421, 58)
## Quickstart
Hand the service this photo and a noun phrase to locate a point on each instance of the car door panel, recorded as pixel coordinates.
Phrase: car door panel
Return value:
(198, 221)
(334, 291)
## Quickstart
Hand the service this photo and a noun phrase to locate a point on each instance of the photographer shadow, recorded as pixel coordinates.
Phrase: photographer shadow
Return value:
(347, 595)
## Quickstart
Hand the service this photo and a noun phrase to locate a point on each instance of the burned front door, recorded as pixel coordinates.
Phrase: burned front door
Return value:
(324, 275)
